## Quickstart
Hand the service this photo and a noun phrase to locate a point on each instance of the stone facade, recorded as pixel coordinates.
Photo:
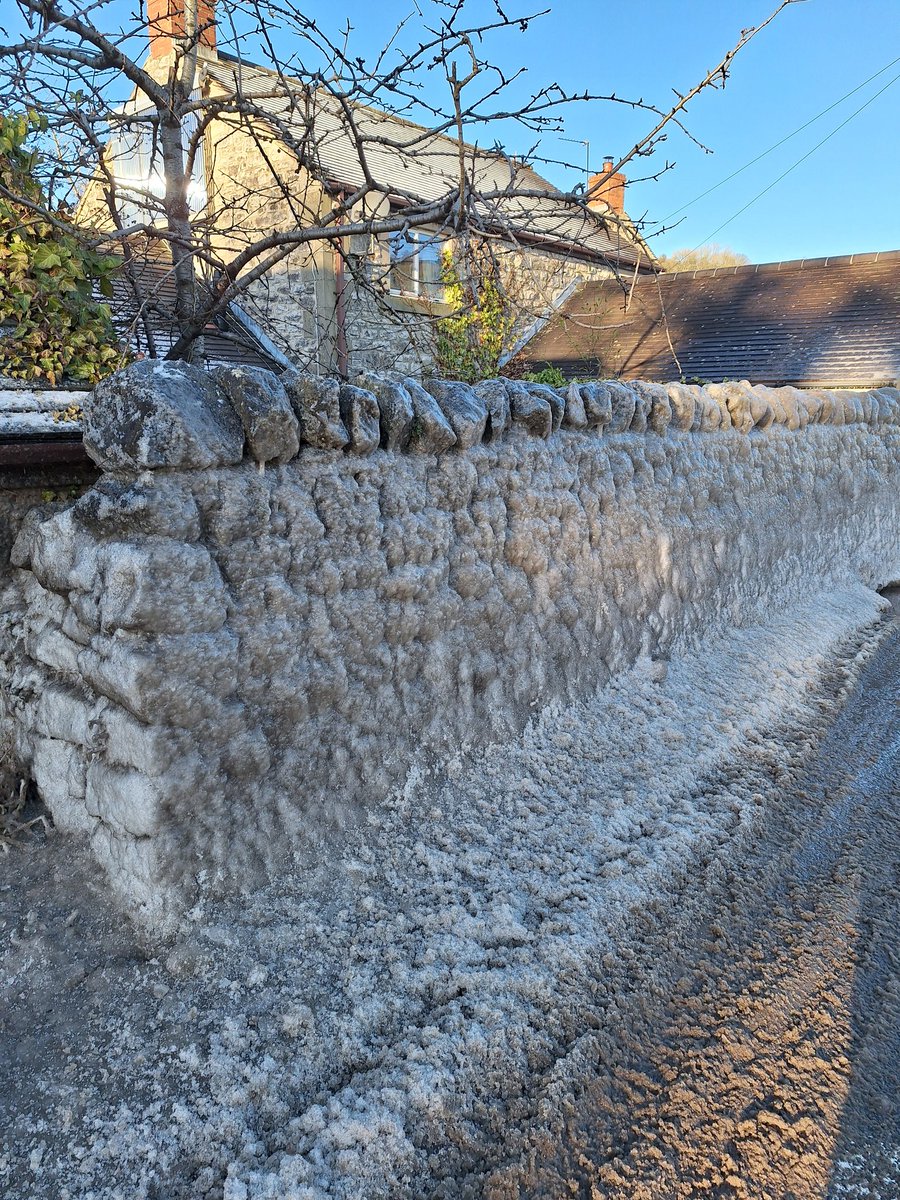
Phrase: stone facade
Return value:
(209, 661)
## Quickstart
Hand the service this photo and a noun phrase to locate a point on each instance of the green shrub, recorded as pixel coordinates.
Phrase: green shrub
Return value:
(471, 341)
(53, 327)
(552, 376)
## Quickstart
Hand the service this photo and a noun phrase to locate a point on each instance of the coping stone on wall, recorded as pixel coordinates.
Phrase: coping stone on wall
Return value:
(166, 415)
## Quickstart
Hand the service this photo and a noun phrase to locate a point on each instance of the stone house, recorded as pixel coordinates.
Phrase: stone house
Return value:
(367, 302)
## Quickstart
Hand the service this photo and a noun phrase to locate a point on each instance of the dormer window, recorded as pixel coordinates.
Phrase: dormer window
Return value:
(415, 265)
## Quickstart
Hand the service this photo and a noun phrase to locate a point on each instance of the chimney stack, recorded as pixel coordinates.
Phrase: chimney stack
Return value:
(608, 194)
(167, 22)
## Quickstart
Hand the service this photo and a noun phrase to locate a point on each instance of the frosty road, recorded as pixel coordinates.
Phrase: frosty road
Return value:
(651, 951)
(771, 1070)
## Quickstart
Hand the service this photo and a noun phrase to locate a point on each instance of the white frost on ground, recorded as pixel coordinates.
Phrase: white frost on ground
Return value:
(845, 1184)
(341, 1033)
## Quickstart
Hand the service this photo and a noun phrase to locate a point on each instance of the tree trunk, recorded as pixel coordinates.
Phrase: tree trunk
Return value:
(178, 219)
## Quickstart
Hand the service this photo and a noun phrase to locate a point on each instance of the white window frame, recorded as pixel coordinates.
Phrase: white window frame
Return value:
(415, 237)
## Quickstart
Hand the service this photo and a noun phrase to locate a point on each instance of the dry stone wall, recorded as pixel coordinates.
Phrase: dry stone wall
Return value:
(283, 595)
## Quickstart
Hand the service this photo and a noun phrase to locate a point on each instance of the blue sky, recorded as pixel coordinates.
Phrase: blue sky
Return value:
(845, 198)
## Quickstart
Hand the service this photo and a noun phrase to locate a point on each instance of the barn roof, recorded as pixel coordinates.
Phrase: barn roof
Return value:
(829, 322)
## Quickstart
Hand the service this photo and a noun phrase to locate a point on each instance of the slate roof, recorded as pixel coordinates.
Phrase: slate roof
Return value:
(405, 158)
(828, 322)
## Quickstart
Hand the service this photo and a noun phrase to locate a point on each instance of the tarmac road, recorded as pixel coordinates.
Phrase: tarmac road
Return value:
(764, 1062)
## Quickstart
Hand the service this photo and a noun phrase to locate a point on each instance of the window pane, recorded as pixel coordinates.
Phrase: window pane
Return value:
(403, 263)
(430, 284)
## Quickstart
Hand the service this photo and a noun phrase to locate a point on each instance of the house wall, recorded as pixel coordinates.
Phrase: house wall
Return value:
(398, 333)
(211, 662)
(296, 302)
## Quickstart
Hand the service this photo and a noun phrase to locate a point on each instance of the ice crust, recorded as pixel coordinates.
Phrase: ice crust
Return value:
(207, 668)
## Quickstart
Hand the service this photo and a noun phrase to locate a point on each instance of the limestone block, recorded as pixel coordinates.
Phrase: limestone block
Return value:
(56, 651)
(155, 413)
(553, 398)
(160, 586)
(260, 400)
(150, 749)
(395, 408)
(575, 416)
(812, 402)
(775, 399)
(59, 774)
(317, 404)
(359, 413)
(464, 409)
(496, 398)
(431, 431)
(709, 412)
(20, 553)
(126, 800)
(531, 411)
(683, 405)
(761, 410)
(624, 402)
(115, 507)
(794, 415)
(656, 399)
(82, 617)
(597, 405)
(57, 545)
(65, 713)
(173, 678)
(642, 405)
(890, 398)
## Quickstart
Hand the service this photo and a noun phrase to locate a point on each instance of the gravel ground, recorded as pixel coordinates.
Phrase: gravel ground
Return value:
(650, 952)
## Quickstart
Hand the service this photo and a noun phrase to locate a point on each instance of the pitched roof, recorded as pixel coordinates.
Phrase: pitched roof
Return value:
(830, 322)
(412, 161)
(231, 340)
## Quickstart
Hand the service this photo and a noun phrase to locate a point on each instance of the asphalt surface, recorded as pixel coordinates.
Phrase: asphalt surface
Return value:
(755, 1051)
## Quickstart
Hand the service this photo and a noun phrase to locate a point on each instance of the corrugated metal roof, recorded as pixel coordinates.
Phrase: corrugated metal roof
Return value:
(828, 322)
(226, 341)
(410, 161)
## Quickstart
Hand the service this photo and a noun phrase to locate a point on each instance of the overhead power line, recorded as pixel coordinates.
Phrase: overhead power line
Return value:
(794, 166)
(765, 153)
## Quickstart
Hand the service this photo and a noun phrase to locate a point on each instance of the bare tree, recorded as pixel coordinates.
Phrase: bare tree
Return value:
(221, 171)
(702, 258)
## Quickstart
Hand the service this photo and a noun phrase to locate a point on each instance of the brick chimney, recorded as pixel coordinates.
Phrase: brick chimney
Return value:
(166, 23)
(610, 193)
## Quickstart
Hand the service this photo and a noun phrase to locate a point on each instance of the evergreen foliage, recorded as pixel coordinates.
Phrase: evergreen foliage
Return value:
(471, 341)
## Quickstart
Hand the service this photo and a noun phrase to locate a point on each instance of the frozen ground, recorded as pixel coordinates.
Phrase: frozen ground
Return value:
(651, 951)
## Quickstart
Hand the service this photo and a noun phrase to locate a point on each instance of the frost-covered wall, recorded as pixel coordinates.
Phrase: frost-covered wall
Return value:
(282, 596)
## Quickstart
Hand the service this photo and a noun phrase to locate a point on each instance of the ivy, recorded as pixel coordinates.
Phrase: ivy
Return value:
(471, 341)
(52, 326)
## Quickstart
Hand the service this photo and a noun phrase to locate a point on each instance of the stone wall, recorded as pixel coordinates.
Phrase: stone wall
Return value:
(284, 597)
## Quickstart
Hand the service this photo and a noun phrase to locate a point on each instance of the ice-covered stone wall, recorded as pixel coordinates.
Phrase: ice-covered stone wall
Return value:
(284, 599)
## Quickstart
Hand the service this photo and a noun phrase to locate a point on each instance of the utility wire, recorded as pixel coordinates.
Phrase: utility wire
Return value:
(786, 138)
(794, 166)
